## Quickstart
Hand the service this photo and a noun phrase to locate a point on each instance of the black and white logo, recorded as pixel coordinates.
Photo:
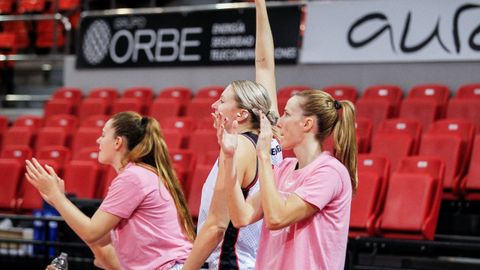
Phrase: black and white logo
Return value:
(96, 42)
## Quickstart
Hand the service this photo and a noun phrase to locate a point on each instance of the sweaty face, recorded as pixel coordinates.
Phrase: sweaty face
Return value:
(106, 143)
(227, 105)
(291, 124)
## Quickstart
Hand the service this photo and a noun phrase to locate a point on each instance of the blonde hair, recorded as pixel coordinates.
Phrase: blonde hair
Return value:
(337, 117)
(252, 96)
(146, 144)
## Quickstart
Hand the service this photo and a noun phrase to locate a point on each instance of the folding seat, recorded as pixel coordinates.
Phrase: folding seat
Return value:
(8, 43)
(212, 92)
(6, 6)
(470, 184)
(66, 5)
(173, 138)
(74, 94)
(342, 92)
(363, 128)
(10, 170)
(468, 91)
(205, 123)
(448, 149)
(58, 106)
(35, 122)
(30, 6)
(367, 203)
(377, 110)
(393, 146)
(392, 93)
(425, 103)
(207, 158)
(46, 34)
(185, 160)
(186, 126)
(81, 178)
(143, 94)
(50, 136)
(403, 126)
(288, 91)
(18, 136)
(126, 104)
(108, 94)
(202, 141)
(66, 121)
(163, 108)
(199, 108)
(92, 106)
(85, 137)
(461, 128)
(29, 198)
(411, 208)
(195, 190)
(465, 108)
(95, 121)
(21, 31)
(3, 128)
(182, 93)
(433, 166)
(282, 102)
(60, 154)
(18, 152)
(91, 154)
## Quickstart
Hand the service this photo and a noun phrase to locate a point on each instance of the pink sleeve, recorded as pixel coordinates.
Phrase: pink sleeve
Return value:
(124, 196)
(320, 187)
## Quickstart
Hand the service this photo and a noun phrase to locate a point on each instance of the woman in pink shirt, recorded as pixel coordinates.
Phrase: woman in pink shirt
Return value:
(305, 201)
(143, 222)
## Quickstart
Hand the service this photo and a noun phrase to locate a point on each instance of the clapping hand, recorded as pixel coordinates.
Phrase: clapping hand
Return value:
(227, 140)
(45, 180)
(265, 136)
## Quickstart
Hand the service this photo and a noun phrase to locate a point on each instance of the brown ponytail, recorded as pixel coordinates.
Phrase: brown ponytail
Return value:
(337, 117)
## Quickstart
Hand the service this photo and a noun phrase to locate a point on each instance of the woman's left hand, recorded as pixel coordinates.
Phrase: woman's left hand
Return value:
(45, 181)
(228, 140)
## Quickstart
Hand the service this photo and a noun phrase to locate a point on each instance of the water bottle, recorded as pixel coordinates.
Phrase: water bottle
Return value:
(38, 232)
(61, 262)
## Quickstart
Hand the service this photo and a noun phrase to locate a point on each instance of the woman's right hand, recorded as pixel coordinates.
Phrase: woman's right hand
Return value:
(265, 137)
(227, 141)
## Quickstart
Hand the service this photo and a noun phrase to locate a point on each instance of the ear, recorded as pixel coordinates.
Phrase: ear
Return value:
(119, 142)
(308, 124)
(243, 114)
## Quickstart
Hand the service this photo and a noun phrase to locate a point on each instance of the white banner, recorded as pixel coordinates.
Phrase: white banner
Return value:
(392, 31)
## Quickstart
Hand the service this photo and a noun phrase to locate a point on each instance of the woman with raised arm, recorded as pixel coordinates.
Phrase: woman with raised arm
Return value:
(305, 201)
(218, 242)
(143, 222)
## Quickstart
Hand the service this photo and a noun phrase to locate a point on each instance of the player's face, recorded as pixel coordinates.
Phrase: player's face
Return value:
(227, 105)
(106, 144)
(291, 124)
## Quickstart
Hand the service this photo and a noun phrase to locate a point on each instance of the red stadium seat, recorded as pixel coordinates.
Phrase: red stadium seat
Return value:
(212, 92)
(18, 136)
(195, 188)
(81, 178)
(465, 108)
(85, 137)
(95, 121)
(58, 106)
(403, 126)
(73, 94)
(436, 92)
(173, 138)
(393, 146)
(163, 108)
(65, 5)
(470, 184)
(287, 91)
(186, 125)
(143, 94)
(92, 106)
(202, 141)
(185, 160)
(66, 121)
(59, 154)
(31, 6)
(377, 110)
(468, 91)
(368, 201)
(33, 121)
(363, 128)
(6, 6)
(109, 94)
(126, 104)
(392, 93)
(423, 110)
(46, 34)
(18, 152)
(182, 93)
(109, 175)
(3, 128)
(10, 170)
(199, 108)
(50, 136)
(342, 92)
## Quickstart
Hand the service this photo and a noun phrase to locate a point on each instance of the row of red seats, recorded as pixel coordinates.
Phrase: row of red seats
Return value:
(424, 103)
(35, 6)
(403, 205)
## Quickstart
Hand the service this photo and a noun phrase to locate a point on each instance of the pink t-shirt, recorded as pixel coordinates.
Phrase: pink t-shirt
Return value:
(149, 236)
(320, 241)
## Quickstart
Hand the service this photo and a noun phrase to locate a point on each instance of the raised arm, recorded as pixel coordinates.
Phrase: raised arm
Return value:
(264, 53)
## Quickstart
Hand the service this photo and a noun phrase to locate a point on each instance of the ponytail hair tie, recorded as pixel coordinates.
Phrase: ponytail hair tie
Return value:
(337, 105)
(266, 115)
